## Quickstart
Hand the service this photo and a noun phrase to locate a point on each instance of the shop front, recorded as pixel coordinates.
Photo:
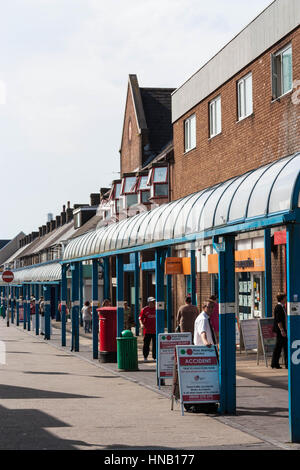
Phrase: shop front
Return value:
(249, 282)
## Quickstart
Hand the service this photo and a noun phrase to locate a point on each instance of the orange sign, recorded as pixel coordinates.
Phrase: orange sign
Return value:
(173, 266)
(245, 261)
(178, 266)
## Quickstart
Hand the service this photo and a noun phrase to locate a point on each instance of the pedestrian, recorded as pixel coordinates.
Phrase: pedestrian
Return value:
(186, 316)
(148, 325)
(42, 314)
(203, 332)
(214, 318)
(87, 317)
(32, 311)
(106, 303)
(280, 328)
(128, 317)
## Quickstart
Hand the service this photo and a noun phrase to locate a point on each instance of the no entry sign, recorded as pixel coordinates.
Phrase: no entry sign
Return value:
(7, 276)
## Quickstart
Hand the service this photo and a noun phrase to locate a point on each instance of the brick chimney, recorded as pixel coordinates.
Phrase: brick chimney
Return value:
(58, 221)
(95, 199)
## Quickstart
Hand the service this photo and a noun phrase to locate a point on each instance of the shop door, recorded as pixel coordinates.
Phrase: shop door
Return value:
(244, 289)
(257, 282)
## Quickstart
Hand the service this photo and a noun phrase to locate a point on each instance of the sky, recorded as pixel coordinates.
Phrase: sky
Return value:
(64, 67)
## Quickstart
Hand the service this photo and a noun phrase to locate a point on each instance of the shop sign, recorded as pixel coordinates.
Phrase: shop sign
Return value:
(167, 343)
(280, 238)
(245, 261)
(266, 338)
(249, 334)
(198, 374)
(178, 266)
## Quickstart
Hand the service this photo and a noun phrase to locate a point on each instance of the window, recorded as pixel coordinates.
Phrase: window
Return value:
(129, 185)
(245, 103)
(160, 175)
(282, 72)
(190, 133)
(215, 116)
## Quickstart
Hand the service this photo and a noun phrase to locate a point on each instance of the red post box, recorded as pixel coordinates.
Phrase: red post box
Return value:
(107, 334)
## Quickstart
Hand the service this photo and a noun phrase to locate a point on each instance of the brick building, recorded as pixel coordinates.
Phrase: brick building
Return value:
(238, 112)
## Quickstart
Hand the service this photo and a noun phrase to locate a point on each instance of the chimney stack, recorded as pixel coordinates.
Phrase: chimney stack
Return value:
(95, 199)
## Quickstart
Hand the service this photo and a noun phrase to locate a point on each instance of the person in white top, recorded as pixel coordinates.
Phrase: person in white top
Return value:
(203, 334)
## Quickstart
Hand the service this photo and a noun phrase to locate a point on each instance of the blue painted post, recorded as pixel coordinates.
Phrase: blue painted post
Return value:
(268, 274)
(120, 294)
(37, 310)
(25, 306)
(169, 298)
(160, 255)
(63, 294)
(12, 290)
(136, 293)
(56, 302)
(28, 309)
(18, 306)
(293, 311)
(75, 307)
(95, 321)
(227, 366)
(47, 291)
(80, 292)
(106, 281)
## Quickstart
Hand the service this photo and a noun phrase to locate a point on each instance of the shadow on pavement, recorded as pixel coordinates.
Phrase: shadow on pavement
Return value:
(13, 392)
(25, 430)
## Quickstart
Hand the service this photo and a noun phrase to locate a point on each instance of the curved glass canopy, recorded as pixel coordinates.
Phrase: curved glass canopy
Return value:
(43, 273)
(260, 193)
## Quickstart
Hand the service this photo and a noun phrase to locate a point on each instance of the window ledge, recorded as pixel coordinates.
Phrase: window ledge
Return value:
(190, 150)
(214, 136)
(246, 117)
(282, 96)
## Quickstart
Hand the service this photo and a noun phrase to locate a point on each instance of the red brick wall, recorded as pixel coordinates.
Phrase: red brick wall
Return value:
(272, 132)
(131, 156)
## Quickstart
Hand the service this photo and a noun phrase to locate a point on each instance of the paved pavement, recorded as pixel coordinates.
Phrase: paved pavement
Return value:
(52, 398)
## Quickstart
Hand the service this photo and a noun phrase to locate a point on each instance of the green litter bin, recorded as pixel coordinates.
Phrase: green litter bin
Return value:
(127, 356)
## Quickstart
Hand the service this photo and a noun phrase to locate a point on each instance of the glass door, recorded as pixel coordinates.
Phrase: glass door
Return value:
(244, 297)
(258, 307)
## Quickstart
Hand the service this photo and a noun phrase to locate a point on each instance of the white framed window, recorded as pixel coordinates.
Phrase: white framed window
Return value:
(190, 133)
(215, 117)
(245, 97)
(282, 72)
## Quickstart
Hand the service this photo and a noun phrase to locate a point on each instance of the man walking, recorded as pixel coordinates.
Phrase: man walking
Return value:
(148, 324)
(186, 316)
(279, 327)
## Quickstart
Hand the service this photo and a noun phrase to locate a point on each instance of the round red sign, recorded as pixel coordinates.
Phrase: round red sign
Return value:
(7, 276)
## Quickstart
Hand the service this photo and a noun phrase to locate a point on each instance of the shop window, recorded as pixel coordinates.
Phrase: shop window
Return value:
(215, 117)
(282, 72)
(245, 100)
(190, 133)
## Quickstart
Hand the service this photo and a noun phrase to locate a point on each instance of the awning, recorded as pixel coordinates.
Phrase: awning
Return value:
(43, 273)
(258, 194)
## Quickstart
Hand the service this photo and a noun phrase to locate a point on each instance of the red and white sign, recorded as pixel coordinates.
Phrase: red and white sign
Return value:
(7, 276)
(167, 343)
(198, 373)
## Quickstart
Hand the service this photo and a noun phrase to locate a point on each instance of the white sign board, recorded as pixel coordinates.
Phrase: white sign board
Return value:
(198, 373)
(249, 330)
(167, 343)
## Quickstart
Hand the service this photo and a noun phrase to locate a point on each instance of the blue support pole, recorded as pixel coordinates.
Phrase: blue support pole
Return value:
(57, 313)
(120, 294)
(227, 366)
(18, 305)
(28, 309)
(95, 321)
(80, 292)
(63, 294)
(106, 287)
(293, 299)
(169, 299)
(160, 255)
(136, 293)
(37, 310)
(12, 304)
(47, 292)
(75, 307)
(25, 306)
(268, 274)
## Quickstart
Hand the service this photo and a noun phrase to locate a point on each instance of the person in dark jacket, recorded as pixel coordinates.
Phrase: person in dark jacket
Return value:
(280, 328)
